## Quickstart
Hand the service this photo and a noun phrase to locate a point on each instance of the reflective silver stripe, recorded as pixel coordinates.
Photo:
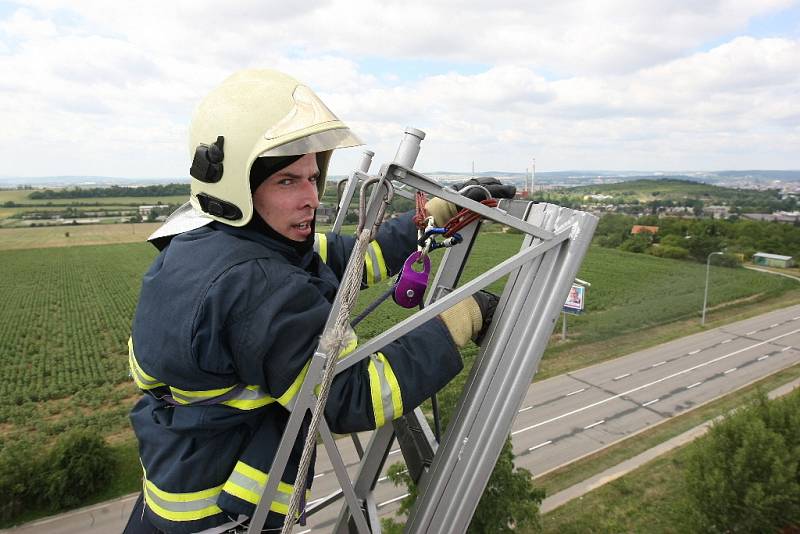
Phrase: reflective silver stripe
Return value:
(180, 506)
(386, 390)
(257, 488)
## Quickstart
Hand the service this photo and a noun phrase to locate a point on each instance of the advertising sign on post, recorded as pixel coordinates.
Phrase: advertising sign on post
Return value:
(575, 300)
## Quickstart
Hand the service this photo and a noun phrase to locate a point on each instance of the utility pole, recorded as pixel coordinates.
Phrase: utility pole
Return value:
(533, 175)
(705, 294)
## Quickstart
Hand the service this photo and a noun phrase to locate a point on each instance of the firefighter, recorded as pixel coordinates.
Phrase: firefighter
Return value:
(230, 313)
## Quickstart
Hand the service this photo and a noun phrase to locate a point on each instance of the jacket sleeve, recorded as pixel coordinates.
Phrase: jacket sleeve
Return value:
(396, 239)
(272, 345)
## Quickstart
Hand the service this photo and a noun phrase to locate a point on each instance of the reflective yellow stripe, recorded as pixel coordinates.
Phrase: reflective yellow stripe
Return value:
(385, 394)
(321, 246)
(375, 393)
(184, 396)
(394, 386)
(250, 398)
(287, 399)
(374, 264)
(248, 483)
(369, 269)
(182, 506)
(382, 272)
(142, 379)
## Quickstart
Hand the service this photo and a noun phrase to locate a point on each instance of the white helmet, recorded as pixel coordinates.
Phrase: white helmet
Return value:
(252, 114)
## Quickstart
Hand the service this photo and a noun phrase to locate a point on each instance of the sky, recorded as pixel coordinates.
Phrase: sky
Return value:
(98, 88)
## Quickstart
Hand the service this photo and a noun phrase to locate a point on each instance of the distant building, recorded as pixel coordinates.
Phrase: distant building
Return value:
(144, 211)
(640, 229)
(717, 212)
(772, 260)
(782, 217)
(325, 214)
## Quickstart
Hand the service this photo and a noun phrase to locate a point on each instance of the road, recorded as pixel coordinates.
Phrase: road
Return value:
(570, 416)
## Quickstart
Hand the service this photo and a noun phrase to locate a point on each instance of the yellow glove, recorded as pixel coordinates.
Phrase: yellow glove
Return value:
(470, 318)
(464, 321)
(441, 210)
(476, 189)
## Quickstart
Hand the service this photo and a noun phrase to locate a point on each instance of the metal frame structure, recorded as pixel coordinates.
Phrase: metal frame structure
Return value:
(452, 475)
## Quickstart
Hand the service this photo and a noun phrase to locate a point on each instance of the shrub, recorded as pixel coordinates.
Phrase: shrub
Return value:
(744, 476)
(76, 467)
(668, 251)
(79, 464)
(20, 475)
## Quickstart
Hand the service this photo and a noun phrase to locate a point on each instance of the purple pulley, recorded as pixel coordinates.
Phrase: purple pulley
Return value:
(411, 284)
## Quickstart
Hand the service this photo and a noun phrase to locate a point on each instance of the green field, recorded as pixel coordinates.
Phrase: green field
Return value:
(67, 236)
(67, 317)
(67, 313)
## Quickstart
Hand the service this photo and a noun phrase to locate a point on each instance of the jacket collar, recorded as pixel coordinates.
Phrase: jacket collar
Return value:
(290, 253)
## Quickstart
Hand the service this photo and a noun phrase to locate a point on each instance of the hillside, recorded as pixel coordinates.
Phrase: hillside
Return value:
(675, 189)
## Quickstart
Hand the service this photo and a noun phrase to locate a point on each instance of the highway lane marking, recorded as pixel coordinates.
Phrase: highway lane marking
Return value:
(390, 501)
(620, 377)
(764, 357)
(394, 452)
(726, 341)
(600, 422)
(795, 318)
(548, 442)
(574, 392)
(751, 333)
(784, 349)
(694, 352)
(318, 475)
(659, 363)
(648, 403)
(525, 409)
(774, 325)
(730, 370)
(643, 386)
(694, 385)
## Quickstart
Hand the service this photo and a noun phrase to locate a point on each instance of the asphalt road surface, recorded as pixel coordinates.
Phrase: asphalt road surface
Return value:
(570, 416)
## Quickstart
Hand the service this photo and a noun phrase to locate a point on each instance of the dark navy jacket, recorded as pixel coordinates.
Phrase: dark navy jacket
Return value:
(225, 326)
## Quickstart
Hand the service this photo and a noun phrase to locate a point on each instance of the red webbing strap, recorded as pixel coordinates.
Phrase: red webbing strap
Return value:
(465, 217)
(421, 216)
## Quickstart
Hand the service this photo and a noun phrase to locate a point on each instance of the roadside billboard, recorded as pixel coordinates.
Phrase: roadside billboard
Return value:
(575, 300)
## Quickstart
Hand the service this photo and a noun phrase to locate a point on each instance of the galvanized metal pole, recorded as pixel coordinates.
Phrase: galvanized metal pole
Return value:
(705, 293)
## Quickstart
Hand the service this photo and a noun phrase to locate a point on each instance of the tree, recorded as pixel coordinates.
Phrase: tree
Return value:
(744, 476)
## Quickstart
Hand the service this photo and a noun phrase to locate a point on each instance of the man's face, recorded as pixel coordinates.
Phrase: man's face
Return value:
(287, 199)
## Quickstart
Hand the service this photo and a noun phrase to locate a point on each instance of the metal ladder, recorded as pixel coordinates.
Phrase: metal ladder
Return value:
(452, 475)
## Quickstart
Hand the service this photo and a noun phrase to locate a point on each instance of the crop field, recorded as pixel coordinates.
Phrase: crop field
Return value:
(629, 292)
(67, 311)
(67, 236)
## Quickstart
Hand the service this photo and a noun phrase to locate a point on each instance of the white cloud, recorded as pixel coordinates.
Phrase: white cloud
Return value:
(107, 88)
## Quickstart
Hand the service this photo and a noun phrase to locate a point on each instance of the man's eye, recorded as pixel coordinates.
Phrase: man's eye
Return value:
(286, 181)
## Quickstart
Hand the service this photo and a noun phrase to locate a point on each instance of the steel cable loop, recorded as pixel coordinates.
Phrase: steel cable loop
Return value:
(333, 341)
(362, 206)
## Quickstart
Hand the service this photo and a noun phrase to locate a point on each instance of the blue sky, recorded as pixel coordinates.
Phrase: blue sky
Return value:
(98, 88)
